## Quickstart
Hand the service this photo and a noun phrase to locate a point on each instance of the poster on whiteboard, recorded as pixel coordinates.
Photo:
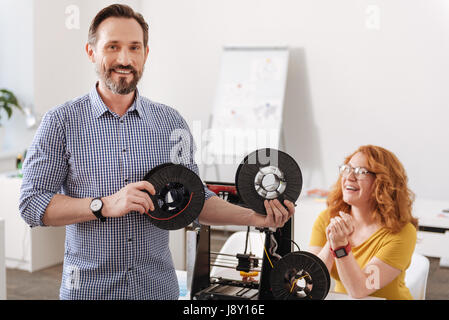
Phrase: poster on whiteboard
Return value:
(248, 106)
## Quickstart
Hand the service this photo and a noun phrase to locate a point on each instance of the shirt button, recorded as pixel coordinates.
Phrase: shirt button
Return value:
(129, 240)
(124, 150)
(126, 180)
(121, 121)
(130, 269)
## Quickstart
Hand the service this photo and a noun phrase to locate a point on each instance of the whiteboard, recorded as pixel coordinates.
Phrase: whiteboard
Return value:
(249, 100)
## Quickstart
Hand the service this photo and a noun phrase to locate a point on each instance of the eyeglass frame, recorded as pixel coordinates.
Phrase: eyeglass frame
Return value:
(355, 170)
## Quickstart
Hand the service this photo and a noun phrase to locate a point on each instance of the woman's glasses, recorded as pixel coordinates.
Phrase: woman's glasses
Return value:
(360, 173)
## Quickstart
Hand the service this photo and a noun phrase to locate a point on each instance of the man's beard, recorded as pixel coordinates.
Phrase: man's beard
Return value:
(122, 86)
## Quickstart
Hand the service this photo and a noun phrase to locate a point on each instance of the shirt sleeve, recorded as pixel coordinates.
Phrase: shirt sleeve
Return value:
(398, 249)
(44, 170)
(184, 153)
(318, 236)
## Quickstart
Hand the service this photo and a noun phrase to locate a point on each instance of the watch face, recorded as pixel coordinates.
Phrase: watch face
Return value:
(96, 205)
(340, 253)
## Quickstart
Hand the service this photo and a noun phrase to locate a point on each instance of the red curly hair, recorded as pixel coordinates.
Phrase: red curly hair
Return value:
(392, 197)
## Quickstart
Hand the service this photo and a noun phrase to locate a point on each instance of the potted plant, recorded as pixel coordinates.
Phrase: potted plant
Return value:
(8, 101)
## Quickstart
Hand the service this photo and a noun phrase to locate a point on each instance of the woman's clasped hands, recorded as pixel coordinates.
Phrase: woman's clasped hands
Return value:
(339, 230)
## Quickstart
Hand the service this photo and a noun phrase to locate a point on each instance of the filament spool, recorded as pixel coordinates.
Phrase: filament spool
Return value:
(300, 275)
(268, 174)
(179, 196)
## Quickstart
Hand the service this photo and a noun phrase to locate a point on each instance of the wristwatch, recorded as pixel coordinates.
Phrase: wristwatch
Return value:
(341, 251)
(96, 205)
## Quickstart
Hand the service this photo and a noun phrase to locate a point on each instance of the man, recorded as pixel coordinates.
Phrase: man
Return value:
(97, 149)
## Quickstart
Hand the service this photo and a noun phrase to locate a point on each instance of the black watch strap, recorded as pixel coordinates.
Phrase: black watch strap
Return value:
(99, 216)
(97, 212)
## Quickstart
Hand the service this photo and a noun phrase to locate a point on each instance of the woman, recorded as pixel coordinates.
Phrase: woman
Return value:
(367, 235)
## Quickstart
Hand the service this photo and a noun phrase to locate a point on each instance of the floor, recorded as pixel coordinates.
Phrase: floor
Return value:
(44, 284)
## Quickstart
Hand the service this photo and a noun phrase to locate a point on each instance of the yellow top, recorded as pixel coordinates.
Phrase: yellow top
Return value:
(394, 249)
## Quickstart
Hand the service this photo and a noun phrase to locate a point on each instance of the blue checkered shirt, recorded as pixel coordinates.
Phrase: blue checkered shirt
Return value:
(82, 149)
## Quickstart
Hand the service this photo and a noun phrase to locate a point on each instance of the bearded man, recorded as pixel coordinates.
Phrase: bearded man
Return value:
(85, 166)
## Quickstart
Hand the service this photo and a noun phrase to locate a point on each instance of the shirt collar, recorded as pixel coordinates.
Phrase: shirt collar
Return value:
(99, 107)
(137, 105)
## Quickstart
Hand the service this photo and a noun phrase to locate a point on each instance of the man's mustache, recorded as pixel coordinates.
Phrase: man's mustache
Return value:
(120, 66)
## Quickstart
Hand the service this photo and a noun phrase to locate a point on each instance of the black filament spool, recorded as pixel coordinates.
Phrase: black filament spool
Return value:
(179, 196)
(268, 174)
(300, 275)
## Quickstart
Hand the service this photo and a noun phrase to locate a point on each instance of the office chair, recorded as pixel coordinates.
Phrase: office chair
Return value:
(416, 276)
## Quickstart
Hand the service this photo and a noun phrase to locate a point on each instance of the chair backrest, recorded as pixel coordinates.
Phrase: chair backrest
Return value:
(416, 276)
(236, 244)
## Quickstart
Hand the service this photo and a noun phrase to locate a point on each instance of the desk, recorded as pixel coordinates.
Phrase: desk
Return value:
(27, 248)
(342, 296)
(184, 293)
(433, 234)
(432, 237)
(2, 261)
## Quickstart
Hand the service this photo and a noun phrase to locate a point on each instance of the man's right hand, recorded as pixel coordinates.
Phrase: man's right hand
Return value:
(132, 197)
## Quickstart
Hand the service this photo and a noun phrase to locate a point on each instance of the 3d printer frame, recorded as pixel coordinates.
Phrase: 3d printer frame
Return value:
(204, 287)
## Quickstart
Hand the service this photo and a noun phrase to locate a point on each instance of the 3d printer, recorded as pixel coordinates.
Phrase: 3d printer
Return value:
(280, 272)
(283, 273)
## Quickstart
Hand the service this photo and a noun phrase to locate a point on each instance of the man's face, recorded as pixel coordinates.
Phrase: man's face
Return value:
(119, 54)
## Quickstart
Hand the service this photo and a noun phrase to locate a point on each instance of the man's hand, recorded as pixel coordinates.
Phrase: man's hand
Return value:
(132, 197)
(277, 214)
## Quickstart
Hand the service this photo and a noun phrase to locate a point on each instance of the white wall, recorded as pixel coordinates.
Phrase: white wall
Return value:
(62, 68)
(16, 39)
(357, 75)
(45, 64)
(42, 60)
(348, 85)
(16, 74)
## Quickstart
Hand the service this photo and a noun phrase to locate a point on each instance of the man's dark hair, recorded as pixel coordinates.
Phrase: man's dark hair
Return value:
(119, 11)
